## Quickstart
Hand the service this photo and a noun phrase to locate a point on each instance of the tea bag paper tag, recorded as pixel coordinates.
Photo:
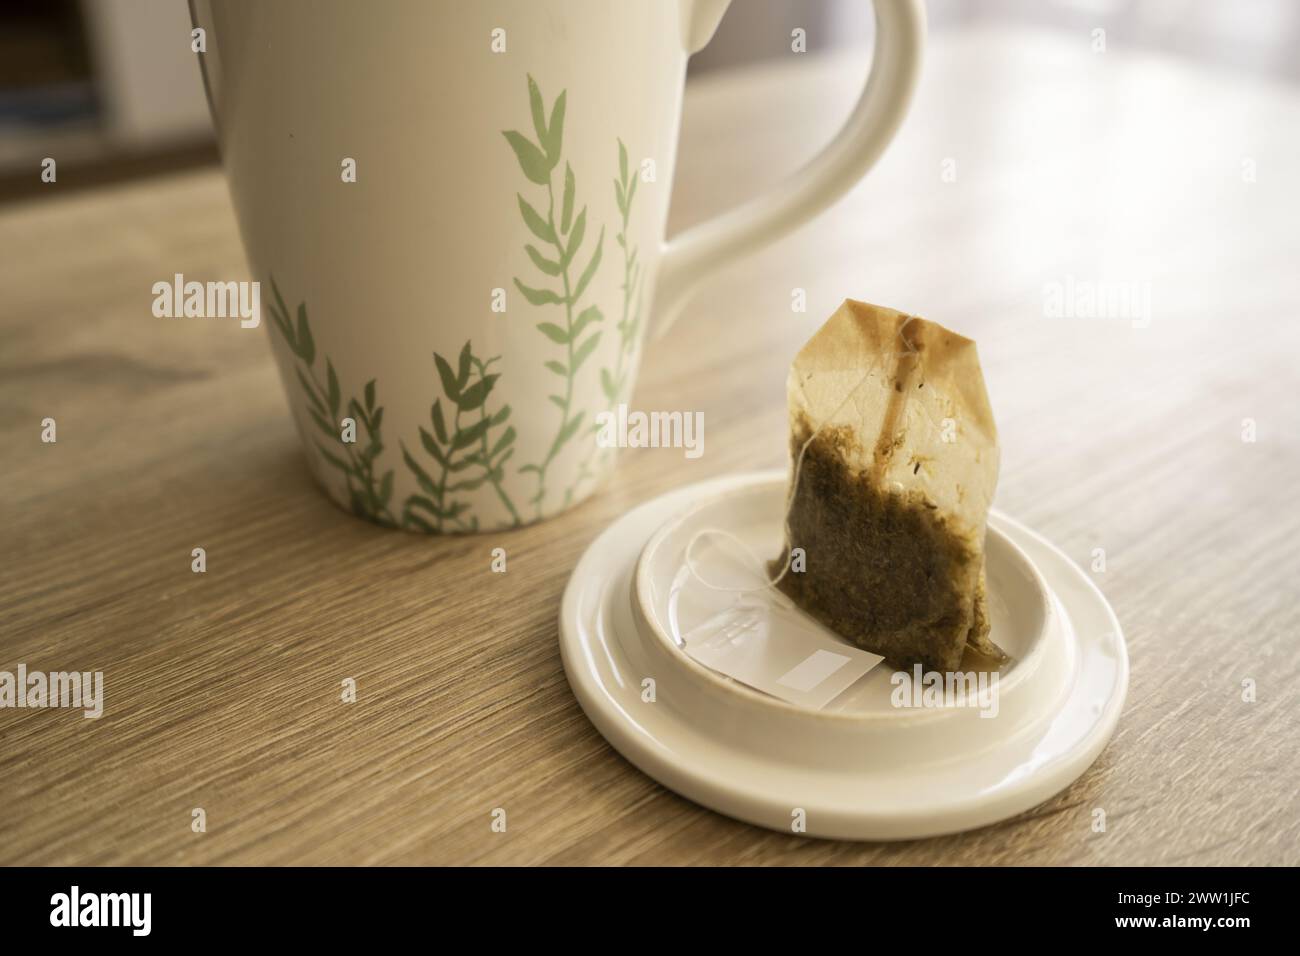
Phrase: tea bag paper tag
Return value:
(779, 651)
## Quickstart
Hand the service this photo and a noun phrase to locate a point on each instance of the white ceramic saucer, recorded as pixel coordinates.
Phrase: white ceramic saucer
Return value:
(860, 768)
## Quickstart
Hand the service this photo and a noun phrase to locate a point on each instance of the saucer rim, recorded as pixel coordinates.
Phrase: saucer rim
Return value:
(663, 747)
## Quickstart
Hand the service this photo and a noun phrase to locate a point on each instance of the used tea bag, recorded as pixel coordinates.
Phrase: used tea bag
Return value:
(895, 459)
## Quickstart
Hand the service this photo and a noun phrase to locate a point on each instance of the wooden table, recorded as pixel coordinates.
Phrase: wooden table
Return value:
(222, 689)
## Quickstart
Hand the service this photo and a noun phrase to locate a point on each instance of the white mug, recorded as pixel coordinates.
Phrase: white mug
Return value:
(456, 211)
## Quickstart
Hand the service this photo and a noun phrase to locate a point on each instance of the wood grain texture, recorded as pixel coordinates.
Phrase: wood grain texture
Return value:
(223, 688)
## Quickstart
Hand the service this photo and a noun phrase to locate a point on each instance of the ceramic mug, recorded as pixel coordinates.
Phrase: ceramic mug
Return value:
(456, 211)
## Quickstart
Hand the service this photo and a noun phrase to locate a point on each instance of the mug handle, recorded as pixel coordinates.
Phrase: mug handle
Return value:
(895, 67)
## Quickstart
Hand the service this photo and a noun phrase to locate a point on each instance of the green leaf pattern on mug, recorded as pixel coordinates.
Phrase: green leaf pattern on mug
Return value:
(369, 492)
(468, 449)
(614, 382)
(560, 257)
(466, 445)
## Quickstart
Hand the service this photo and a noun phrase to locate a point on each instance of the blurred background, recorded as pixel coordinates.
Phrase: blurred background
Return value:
(112, 86)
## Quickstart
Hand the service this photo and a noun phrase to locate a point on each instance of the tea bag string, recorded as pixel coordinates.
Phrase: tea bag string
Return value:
(769, 584)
